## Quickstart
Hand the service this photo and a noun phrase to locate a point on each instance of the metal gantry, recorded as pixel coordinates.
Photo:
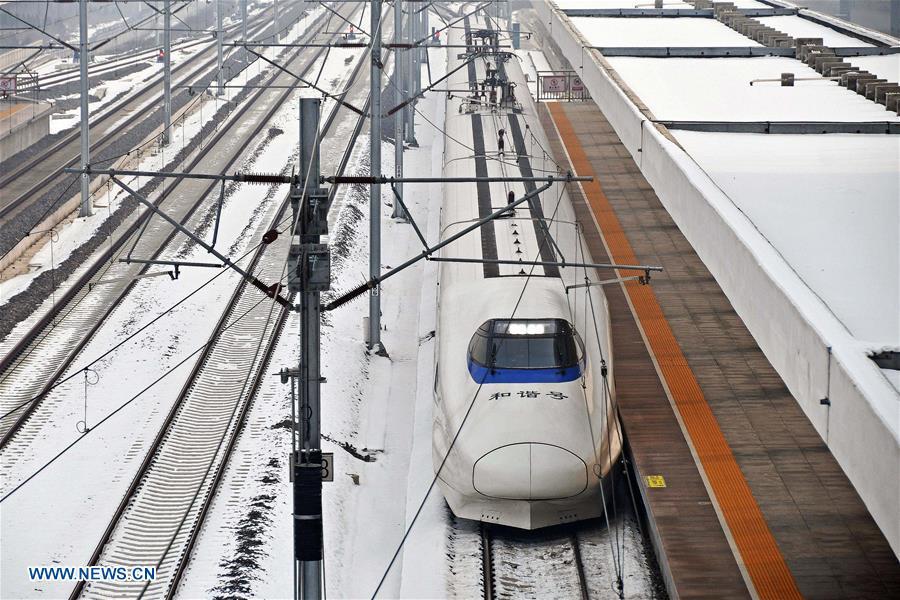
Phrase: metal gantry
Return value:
(411, 64)
(309, 276)
(83, 52)
(167, 71)
(373, 340)
(398, 212)
(220, 73)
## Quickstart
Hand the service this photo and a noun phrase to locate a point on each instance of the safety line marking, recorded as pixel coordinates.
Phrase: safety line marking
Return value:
(758, 548)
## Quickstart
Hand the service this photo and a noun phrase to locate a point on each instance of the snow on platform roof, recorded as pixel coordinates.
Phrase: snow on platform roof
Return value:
(886, 67)
(565, 4)
(718, 89)
(656, 32)
(798, 27)
(830, 205)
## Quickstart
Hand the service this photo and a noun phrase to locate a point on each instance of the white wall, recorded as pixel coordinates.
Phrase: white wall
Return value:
(791, 325)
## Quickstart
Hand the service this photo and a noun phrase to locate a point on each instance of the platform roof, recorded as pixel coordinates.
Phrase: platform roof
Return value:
(828, 204)
(657, 32)
(565, 4)
(718, 89)
(798, 27)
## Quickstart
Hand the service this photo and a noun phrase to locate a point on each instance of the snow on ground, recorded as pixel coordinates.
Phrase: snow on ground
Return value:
(830, 205)
(370, 405)
(798, 27)
(97, 471)
(117, 88)
(151, 158)
(618, 32)
(69, 236)
(886, 67)
(712, 89)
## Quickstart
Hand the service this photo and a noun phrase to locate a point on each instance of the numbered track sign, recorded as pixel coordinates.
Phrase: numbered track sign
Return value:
(328, 466)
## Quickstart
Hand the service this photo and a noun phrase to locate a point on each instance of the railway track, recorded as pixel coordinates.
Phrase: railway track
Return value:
(32, 362)
(590, 560)
(64, 76)
(27, 183)
(517, 564)
(159, 518)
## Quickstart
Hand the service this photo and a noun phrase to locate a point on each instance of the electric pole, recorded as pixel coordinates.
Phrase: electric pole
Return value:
(398, 212)
(310, 274)
(244, 28)
(420, 50)
(167, 71)
(275, 32)
(411, 77)
(374, 341)
(220, 75)
(83, 52)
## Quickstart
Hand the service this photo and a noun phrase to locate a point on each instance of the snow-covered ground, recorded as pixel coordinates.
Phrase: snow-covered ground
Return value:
(70, 235)
(718, 89)
(681, 32)
(97, 471)
(117, 88)
(370, 405)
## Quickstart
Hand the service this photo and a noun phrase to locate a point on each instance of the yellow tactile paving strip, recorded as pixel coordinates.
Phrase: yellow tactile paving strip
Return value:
(759, 552)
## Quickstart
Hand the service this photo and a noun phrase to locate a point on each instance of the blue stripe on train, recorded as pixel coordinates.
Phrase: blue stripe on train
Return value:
(485, 375)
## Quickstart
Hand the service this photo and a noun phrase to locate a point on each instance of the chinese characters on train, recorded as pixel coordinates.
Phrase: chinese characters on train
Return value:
(527, 394)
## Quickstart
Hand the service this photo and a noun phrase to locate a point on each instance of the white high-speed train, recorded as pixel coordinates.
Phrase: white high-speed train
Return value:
(524, 370)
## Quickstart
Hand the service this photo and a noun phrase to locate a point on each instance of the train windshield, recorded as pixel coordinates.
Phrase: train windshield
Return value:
(547, 347)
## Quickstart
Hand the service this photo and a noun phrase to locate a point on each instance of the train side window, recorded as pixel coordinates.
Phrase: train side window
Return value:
(478, 347)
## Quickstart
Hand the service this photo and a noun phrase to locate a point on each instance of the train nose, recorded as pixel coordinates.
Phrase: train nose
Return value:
(530, 471)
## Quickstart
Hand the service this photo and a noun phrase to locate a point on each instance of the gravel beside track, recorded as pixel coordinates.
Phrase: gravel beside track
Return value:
(23, 304)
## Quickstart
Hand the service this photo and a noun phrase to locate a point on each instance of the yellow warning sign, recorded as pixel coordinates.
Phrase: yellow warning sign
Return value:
(656, 481)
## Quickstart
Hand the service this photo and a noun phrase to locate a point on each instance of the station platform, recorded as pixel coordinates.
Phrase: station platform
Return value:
(753, 504)
(21, 125)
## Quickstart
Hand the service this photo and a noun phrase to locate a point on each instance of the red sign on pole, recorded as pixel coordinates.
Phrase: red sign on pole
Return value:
(554, 83)
(577, 85)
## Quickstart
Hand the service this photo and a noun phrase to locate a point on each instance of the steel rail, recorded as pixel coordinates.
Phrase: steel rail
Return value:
(127, 58)
(45, 325)
(494, 556)
(233, 430)
(147, 94)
